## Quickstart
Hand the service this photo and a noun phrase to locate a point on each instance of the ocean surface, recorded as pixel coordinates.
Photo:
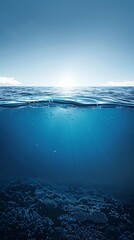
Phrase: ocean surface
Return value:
(67, 163)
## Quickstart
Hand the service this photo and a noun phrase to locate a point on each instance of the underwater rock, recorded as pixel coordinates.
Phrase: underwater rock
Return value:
(49, 208)
(114, 217)
(72, 237)
(131, 213)
(66, 218)
(88, 233)
(84, 200)
(80, 217)
(126, 236)
(61, 233)
(98, 217)
(40, 194)
(24, 221)
(59, 202)
(112, 231)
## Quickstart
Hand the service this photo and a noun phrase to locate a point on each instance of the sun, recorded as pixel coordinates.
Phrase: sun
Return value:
(66, 83)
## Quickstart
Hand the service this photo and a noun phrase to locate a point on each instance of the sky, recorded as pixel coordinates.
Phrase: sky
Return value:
(67, 42)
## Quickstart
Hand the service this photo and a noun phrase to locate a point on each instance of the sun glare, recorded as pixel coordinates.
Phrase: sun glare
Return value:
(66, 83)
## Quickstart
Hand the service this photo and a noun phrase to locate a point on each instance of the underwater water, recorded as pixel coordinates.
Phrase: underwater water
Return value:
(67, 163)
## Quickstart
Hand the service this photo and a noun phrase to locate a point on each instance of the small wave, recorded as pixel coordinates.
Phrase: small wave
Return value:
(75, 97)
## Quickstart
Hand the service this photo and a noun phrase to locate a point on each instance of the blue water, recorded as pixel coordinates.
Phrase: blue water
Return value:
(66, 163)
(84, 135)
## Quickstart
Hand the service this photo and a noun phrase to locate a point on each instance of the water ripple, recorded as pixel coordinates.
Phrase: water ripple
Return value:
(53, 96)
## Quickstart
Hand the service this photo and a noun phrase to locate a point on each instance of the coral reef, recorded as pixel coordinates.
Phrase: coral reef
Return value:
(33, 210)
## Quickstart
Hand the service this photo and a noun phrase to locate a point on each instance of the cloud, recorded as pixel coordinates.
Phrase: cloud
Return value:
(121, 84)
(9, 81)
